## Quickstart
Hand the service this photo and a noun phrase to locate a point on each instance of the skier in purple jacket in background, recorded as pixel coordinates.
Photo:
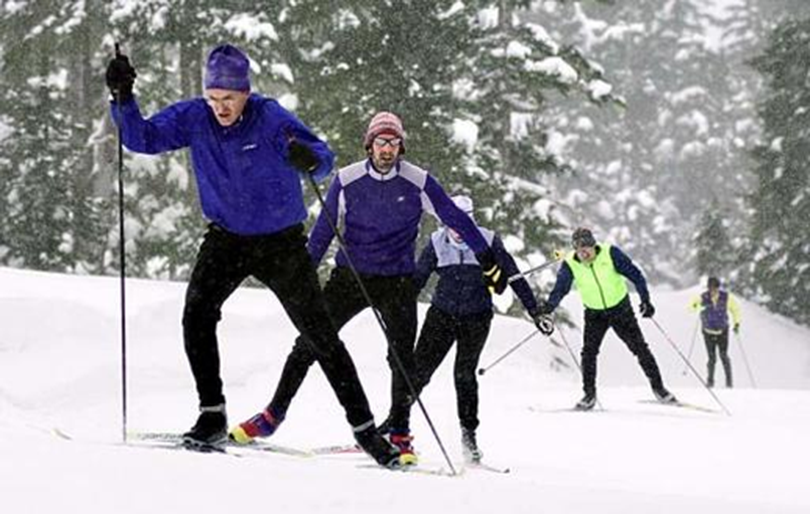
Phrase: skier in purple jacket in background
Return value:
(377, 205)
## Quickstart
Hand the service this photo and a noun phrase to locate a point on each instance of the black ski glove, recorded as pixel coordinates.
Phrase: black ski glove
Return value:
(494, 277)
(120, 78)
(302, 157)
(543, 322)
(736, 328)
(646, 309)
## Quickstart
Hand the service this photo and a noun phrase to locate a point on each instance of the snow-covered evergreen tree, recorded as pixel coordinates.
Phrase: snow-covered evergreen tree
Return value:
(517, 72)
(780, 237)
(643, 177)
(49, 218)
(163, 218)
(713, 251)
(470, 81)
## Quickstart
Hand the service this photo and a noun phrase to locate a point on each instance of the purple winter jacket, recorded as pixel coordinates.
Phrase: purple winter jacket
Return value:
(245, 180)
(714, 316)
(379, 214)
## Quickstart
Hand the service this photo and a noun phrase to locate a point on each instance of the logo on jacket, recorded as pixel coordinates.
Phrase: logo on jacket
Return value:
(251, 146)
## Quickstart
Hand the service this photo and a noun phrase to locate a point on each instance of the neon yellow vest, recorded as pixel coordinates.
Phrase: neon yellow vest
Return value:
(599, 284)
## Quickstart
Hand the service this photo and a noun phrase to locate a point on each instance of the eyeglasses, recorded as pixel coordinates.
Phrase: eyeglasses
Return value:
(383, 142)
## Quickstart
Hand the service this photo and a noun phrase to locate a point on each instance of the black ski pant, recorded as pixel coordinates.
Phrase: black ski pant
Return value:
(439, 331)
(281, 262)
(394, 297)
(715, 342)
(623, 321)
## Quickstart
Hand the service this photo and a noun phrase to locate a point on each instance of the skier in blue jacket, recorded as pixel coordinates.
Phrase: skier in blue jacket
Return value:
(377, 204)
(248, 155)
(461, 311)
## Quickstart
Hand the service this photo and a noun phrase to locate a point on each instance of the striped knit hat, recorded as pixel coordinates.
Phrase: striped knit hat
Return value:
(384, 123)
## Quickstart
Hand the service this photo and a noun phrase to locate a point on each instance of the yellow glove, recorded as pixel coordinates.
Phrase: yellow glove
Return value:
(494, 277)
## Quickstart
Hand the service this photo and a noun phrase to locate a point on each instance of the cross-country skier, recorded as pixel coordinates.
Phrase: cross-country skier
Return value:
(714, 306)
(248, 154)
(461, 312)
(378, 203)
(599, 272)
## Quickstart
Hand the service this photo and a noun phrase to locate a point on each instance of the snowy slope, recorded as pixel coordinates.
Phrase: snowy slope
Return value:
(60, 366)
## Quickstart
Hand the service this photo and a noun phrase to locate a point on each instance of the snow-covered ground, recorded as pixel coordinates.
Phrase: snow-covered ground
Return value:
(60, 367)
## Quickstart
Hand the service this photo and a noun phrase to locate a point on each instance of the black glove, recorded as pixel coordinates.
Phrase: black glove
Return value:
(646, 308)
(302, 157)
(494, 277)
(736, 328)
(120, 77)
(543, 322)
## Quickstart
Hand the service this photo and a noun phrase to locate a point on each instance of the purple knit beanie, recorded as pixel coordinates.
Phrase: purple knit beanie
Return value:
(227, 68)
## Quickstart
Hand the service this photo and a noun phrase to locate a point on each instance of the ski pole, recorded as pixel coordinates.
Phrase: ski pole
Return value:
(672, 343)
(579, 366)
(123, 274)
(392, 350)
(691, 345)
(745, 360)
(523, 341)
(558, 255)
(570, 351)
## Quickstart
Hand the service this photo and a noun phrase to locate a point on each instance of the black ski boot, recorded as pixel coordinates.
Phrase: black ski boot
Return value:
(211, 428)
(376, 446)
(472, 454)
(587, 402)
(664, 396)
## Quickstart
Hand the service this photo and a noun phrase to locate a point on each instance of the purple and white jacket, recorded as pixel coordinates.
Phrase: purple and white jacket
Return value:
(378, 216)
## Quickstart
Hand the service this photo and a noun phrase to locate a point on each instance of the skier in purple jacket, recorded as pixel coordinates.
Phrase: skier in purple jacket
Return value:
(715, 305)
(248, 155)
(377, 205)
